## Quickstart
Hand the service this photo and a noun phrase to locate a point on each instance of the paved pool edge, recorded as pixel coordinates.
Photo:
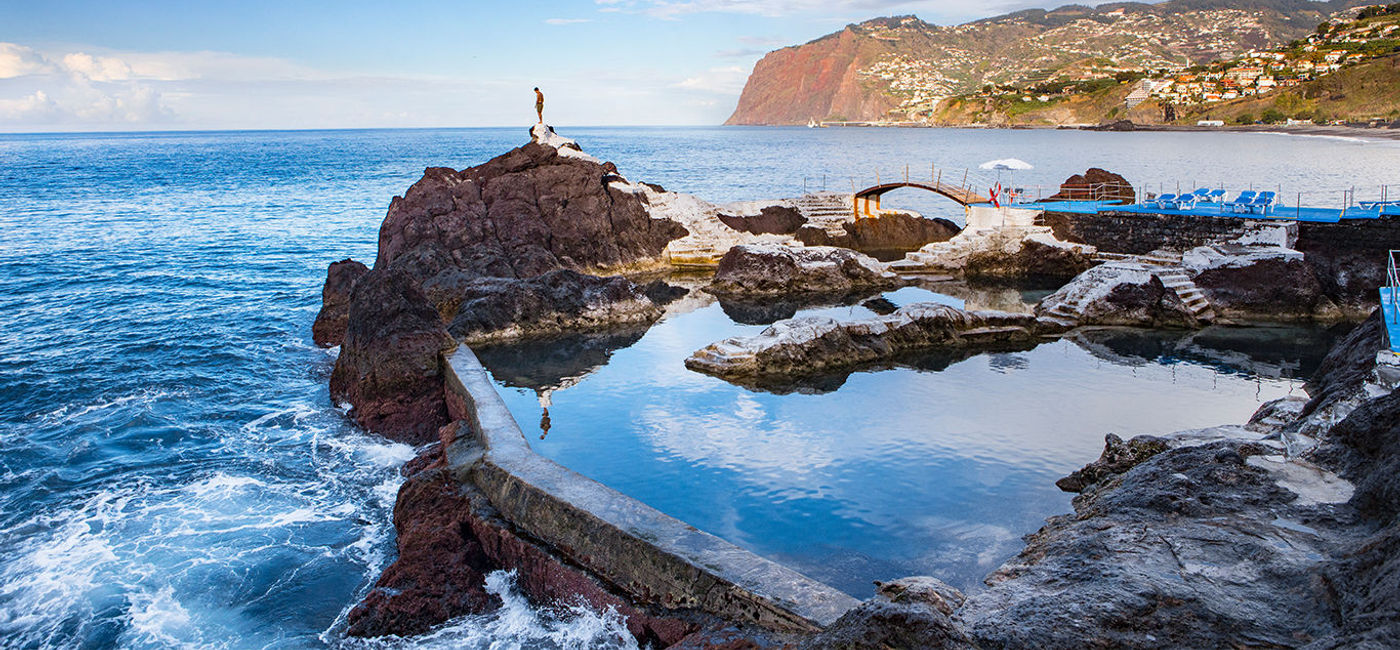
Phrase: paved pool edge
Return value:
(655, 558)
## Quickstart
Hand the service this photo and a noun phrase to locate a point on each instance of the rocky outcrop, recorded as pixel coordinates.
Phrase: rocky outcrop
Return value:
(1096, 185)
(1002, 244)
(492, 309)
(390, 364)
(784, 270)
(1040, 258)
(1259, 282)
(811, 345)
(771, 220)
(913, 612)
(329, 328)
(450, 537)
(1198, 546)
(531, 210)
(1118, 457)
(886, 232)
(1118, 294)
(440, 572)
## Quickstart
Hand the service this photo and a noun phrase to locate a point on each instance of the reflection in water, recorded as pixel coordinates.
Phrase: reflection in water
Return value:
(1275, 352)
(550, 364)
(934, 465)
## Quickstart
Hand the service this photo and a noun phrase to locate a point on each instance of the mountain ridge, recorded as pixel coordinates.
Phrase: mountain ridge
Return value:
(901, 67)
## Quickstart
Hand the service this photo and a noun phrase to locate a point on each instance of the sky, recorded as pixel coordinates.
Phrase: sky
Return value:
(114, 65)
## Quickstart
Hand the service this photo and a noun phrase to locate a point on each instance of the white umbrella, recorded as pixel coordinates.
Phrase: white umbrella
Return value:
(1010, 164)
(1005, 163)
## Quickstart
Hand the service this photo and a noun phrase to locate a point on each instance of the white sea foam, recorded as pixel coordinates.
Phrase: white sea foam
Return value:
(152, 558)
(517, 624)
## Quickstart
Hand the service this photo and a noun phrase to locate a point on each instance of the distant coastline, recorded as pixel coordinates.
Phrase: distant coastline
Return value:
(1391, 131)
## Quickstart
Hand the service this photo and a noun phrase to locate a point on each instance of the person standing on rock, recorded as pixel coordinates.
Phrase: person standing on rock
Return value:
(539, 104)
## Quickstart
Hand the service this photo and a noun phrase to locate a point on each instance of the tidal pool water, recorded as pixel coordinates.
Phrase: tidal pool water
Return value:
(935, 464)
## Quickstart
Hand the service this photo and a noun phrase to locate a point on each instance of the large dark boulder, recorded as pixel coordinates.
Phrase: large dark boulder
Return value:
(440, 572)
(1118, 294)
(485, 309)
(1259, 282)
(1184, 550)
(751, 270)
(329, 328)
(390, 367)
(1035, 261)
(914, 612)
(887, 232)
(1096, 185)
(1345, 370)
(525, 212)
(771, 220)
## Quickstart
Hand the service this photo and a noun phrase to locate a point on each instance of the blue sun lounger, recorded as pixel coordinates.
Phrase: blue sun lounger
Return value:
(1262, 203)
(1213, 196)
(1241, 202)
(1163, 201)
(1185, 201)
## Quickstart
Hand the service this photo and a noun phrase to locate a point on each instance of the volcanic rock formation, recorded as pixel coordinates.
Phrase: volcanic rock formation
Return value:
(786, 270)
(390, 364)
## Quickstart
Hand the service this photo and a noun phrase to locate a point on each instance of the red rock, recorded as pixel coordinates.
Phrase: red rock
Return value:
(329, 328)
(1095, 185)
(390, 364)
(520, 214)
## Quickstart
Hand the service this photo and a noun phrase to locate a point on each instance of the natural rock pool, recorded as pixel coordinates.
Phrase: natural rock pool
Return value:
(936, 465)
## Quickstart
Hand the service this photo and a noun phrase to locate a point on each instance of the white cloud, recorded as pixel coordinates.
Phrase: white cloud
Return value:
(18, 61)
(567, 21)
(728, 80)
(672, 9)
(96, 68)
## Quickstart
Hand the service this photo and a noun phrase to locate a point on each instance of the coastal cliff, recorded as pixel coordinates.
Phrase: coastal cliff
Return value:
(1083, 65)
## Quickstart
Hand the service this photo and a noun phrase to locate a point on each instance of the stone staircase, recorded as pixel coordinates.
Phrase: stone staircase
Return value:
(828, 210)
(1176, 279)
(1166, 265)
(1173, 277)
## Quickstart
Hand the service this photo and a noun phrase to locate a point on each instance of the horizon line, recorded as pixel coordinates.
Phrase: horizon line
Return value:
(363, 128)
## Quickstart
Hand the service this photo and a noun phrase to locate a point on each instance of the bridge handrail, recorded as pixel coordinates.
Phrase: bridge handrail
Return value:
(1393, 282)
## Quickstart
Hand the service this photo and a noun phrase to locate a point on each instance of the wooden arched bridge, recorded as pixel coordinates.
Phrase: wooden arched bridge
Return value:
(958, 187)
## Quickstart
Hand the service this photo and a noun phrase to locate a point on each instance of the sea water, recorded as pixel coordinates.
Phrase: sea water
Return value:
(172, 471)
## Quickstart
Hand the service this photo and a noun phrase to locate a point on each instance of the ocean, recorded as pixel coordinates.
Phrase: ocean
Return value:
(172, 471)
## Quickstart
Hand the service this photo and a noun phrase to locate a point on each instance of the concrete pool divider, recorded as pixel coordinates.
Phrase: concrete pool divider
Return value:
(654, 558)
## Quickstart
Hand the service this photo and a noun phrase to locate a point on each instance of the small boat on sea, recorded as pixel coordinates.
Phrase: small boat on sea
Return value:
(812, 124)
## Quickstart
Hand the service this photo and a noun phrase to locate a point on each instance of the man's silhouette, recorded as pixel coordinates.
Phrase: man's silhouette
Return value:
(539, 104)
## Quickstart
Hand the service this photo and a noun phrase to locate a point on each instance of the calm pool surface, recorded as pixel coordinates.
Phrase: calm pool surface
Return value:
(935, 465)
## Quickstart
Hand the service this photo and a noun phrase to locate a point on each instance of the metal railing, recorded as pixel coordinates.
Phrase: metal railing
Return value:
(1393, 286)
(1289, 204)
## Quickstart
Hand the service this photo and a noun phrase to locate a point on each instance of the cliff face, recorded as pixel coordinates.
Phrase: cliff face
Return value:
(901, 68)
(819, 80)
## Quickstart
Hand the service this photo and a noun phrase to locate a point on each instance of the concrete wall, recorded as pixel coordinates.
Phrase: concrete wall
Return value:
(985, 216)
(652, 557)
(1349, 257)
(1122, 232)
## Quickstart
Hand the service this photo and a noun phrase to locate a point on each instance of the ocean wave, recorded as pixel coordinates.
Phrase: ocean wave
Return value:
(516, 625)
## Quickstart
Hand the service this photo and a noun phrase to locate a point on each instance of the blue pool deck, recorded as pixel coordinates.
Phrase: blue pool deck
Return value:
(1392, 319)
(1276, 213)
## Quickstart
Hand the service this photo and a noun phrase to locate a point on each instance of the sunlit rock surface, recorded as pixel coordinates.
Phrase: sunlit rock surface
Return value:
(1118, 294)
(803, 346)
(760, 270)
